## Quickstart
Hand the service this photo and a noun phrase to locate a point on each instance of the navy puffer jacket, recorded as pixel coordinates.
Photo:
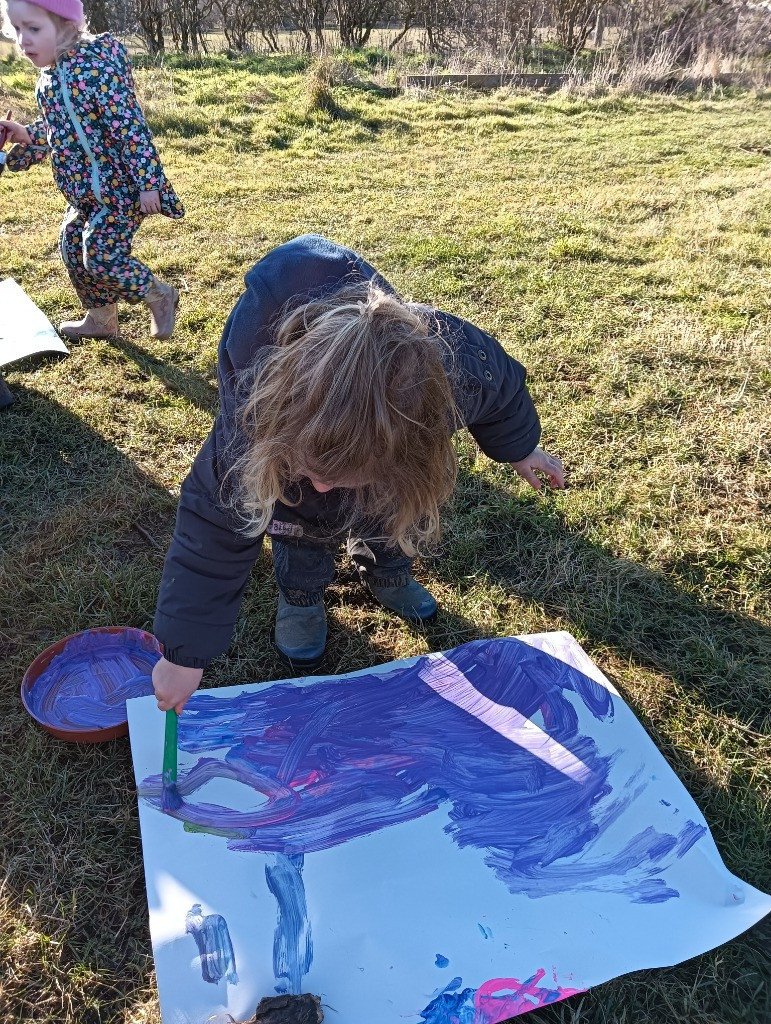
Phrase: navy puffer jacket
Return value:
(209, 561)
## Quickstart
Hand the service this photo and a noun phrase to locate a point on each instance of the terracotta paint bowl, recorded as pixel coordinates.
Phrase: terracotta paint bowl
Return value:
(77, 688)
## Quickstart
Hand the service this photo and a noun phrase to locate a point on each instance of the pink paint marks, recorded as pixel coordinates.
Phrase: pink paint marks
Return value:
(302, 779)
(501, 998)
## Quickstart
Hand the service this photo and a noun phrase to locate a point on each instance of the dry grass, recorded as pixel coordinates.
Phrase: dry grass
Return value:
(620, 247)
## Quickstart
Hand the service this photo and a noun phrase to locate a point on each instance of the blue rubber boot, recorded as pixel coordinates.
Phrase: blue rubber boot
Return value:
(410, 601)
(301, 633)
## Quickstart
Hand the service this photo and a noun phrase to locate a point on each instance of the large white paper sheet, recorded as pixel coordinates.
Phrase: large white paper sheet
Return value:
(465, 836)
(24, 329)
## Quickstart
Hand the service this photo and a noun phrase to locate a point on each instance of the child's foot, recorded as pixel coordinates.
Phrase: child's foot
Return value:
(101, 322)
(162, 301)
(301, 633)
(411, 601)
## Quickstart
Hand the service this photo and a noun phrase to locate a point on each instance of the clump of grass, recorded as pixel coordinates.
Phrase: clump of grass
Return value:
(335, 69)
(641, 74)
(576, 247)
(318, 94)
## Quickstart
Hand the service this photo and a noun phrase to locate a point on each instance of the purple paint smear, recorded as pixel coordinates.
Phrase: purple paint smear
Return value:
(444, 677)
(215, 948)
(344, 759)
(87, 684)
(495, 1001)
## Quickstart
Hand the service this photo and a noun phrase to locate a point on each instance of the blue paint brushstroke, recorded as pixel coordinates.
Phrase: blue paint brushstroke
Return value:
(451, 1007)
(346, 758)
(292, 944)
(215, 949)
(442, 961)
(652, 890)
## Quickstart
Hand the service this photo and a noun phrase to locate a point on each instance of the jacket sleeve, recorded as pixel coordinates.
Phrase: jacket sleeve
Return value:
(125, 121)
(206, 569)
(493, 397)
(22, 157)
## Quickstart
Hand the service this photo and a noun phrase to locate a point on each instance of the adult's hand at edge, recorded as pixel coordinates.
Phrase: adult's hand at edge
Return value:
(174, 684)
(14, 132)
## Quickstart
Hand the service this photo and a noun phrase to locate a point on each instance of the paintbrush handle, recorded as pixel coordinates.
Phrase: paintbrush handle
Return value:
(170, 748)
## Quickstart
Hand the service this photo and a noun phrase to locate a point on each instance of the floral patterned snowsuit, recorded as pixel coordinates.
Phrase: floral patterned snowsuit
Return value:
(103, 157)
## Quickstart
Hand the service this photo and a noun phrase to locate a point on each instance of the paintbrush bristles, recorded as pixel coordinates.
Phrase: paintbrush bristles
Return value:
(170, 797)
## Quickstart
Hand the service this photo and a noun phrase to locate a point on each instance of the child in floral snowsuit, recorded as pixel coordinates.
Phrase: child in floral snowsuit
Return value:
(103, 159)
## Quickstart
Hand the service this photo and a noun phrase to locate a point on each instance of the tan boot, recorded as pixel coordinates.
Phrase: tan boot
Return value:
(101, 322)
(162, 301)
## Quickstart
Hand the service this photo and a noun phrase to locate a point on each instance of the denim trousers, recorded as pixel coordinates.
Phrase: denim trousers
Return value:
(305, 541)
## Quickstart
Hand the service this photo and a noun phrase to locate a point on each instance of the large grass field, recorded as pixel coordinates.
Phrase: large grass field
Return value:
(620, 247)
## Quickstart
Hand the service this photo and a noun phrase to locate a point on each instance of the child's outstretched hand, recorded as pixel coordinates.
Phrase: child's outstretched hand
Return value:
(13, 132)
(539, 461)
(150, 202)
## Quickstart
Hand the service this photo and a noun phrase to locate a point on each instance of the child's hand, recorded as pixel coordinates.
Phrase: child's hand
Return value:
(13, 132)
(539, 461)
(150, 202)
(173, 684)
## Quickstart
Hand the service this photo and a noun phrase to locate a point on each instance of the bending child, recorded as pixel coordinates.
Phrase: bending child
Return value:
(103, 158)
(338, 401)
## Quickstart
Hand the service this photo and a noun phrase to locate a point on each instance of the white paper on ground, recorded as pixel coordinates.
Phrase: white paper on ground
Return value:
(24, 329)
(413, 920)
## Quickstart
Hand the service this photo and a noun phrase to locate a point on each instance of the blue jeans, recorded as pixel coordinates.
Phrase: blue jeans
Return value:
(305, 541)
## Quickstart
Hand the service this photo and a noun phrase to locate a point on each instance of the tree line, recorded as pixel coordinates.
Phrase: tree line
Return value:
(441, 26)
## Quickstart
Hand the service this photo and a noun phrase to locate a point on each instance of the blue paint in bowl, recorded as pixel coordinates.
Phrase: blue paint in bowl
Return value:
(77, 689)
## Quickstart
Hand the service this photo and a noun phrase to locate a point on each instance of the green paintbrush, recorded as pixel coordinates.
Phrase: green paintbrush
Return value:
(170, 798)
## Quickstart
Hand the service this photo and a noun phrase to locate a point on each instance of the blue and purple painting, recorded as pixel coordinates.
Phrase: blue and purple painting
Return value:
(461, 838)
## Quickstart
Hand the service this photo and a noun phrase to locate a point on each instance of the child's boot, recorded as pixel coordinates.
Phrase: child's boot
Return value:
(301, 633)
(101, 322)
(410, 600)
(162, 301)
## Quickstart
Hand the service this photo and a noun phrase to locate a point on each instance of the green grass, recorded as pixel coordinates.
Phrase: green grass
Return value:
(620, 248)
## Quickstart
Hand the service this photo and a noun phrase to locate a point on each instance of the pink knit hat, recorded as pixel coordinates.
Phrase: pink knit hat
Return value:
(72, 10)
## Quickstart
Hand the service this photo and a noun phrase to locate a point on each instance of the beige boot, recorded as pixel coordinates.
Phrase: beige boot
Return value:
(101, 322)
(162, 301)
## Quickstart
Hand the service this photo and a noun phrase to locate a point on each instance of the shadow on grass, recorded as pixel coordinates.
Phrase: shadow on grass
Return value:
(187, 384)
(522, 544)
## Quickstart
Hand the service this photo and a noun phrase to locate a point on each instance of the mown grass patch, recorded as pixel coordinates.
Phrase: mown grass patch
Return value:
(620, 248)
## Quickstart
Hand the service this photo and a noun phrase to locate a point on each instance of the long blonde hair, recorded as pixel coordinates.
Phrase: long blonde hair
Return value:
(356, 392)
(69, 34)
